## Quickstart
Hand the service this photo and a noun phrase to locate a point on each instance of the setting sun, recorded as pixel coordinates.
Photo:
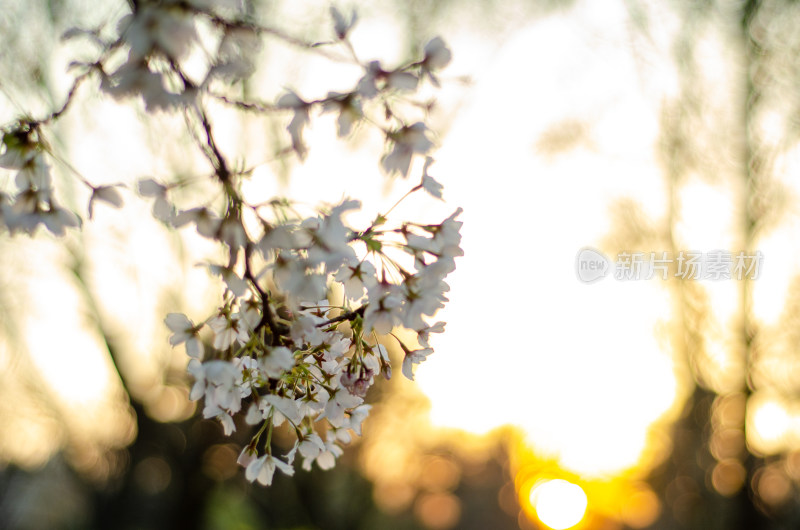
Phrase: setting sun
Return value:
(559, 504)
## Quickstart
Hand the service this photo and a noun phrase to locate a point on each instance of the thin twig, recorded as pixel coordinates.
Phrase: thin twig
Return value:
(350, 315)
(267, 319)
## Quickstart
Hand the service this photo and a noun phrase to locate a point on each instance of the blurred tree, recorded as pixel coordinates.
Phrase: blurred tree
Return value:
(732, 125)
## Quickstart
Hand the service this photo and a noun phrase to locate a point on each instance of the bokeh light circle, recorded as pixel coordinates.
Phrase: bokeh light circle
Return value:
(559, 504)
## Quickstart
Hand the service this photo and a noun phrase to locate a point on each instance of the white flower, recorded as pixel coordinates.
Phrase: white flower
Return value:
(330, 239)
(227, 330)
(313, 404)
(236, 53)
(382, 352)
(254, 414)
(383, 311)
(199, 388)
(280, 237)
(357, 417)
(407, 141)
(372, 363)
(292, 274)
(448, 236)
(228, 426)
(418, 303)
(338, 345)
(107, 194)
(213, 410)
(206, 221)
(57, 219)
(35, 175)
(327, 459)
(366, 87)
(310, 448)
(151, 188)
(305, 329)
(232, 280)
(232, 233)
(286, 406)
(437, 54)
(183, 330)
(311, 445)
(246, 456)
(402, 80)
(217, 381)
(337, 404)
(220, 378)
(445, 243)
(423, 334)
(428, 183)
(277, 362)
(134, 78)
(162, 208)
(356, 278)
(299, 120)
(247, 374)
(349, 108)
(342, 435)
(249, 314)
(262, 469)
(153, 27)
(359, 380)
(413, 358)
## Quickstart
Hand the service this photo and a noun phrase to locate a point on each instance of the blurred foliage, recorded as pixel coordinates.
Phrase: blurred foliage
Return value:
(715, 131)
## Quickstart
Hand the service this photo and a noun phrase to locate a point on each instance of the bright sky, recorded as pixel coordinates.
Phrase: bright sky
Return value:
(577, 366)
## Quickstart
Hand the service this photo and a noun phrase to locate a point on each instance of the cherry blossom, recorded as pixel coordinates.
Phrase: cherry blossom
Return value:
(407, 141)
(309, 302)
(184, 331)
(263, 468)
(413, 358)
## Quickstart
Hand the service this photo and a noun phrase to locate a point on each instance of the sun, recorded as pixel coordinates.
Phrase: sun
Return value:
(558, 503)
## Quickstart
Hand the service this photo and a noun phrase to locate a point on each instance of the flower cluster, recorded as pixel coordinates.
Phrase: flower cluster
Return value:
(33, 203)
(158, 37)
(308, 301)
(299, 342)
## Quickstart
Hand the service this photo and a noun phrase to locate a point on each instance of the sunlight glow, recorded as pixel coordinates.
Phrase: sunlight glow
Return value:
(771, 421)
(65, 350)
(770, 424)
(559, 504)
(581, 370)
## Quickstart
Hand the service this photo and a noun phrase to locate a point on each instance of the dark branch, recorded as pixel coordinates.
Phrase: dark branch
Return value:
(349, 316)
(267, 319)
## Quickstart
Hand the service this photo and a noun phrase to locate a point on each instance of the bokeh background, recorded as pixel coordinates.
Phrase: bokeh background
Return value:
(654, 126)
